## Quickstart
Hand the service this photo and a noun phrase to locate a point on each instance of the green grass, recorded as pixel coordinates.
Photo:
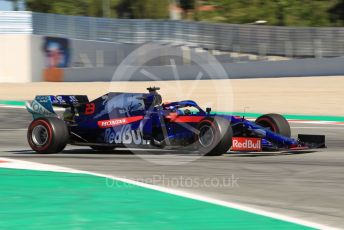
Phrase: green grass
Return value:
(53, 200)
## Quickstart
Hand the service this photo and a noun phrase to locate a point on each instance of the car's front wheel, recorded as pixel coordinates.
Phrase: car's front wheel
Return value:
(276, 123)
(48, 135)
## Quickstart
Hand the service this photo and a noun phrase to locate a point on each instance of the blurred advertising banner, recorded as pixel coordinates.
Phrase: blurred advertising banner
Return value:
(57, 56)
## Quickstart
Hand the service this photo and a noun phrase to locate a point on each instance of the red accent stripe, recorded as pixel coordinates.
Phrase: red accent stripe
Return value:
(186, 119)
(299, 148)
(2, 161)
(118, 121)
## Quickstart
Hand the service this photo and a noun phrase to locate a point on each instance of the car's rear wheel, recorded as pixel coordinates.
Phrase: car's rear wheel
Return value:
(48, 135)
(214, 136)
(102, 148)
(276, 123)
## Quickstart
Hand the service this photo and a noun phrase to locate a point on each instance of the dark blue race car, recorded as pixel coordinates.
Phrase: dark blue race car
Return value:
(141, 120)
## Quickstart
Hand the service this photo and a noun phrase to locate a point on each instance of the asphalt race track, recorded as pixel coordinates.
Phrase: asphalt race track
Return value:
(308, 185)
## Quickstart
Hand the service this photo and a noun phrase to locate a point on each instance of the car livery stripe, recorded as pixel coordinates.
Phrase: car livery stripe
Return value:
(186, 119)
(118, 121)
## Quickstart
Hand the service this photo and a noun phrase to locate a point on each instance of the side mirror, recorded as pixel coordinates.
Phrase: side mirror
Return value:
(208, 110)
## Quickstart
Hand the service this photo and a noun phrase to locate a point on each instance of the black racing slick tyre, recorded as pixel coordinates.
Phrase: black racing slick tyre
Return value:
(276, 122)
(102, 148)
(214, 136)
(48, 135)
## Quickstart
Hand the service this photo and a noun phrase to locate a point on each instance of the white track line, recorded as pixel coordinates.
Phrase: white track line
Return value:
(48, 167)
(316, 127)
(308, 122)
(12, 106)
(13, 129)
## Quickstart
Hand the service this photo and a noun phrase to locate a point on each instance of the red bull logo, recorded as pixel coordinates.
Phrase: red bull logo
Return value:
(246, 144)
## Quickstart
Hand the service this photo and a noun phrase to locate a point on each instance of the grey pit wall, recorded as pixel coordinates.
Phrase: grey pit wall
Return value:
(259, 69)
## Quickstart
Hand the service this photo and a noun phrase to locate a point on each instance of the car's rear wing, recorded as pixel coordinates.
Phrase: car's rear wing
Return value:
(42, 106)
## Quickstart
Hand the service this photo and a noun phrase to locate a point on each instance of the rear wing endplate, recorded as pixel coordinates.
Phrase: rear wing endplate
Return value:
(42, 106)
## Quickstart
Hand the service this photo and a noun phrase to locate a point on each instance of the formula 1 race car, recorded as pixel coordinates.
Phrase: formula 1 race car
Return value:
(141, 120)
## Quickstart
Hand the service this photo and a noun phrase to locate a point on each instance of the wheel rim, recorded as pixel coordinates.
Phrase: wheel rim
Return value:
(40, 135)
(206, 135)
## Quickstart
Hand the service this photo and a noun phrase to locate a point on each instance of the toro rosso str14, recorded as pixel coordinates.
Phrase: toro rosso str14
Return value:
(141, 120)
